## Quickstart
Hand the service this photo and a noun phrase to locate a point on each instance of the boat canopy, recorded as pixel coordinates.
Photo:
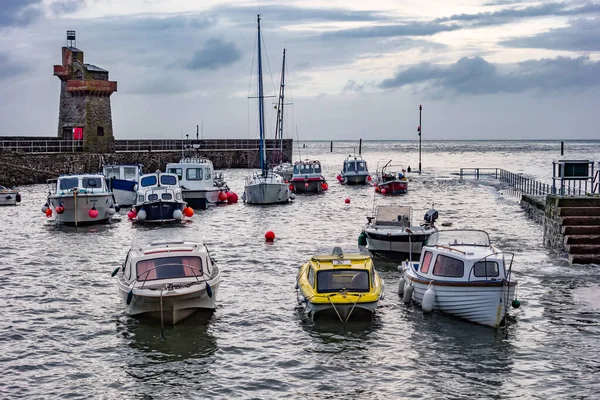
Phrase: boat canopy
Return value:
(339, 252)
(393, 215)
(462, 237)
(83, 183)
(307, 167)
(355, 165)
(166, 179)
(169, 267)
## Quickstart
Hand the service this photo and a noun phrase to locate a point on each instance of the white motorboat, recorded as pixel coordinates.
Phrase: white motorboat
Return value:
(390, 233)
(168, 281)
(80, 200)
(462, 274)
(123, 182)
(160, 199)
(264, 186)
(198, 182)
(308, 178)
(354, 171)
(9, 197)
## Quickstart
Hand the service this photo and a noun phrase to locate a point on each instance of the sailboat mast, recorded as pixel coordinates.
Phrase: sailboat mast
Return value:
(280, 109)
(261, 105)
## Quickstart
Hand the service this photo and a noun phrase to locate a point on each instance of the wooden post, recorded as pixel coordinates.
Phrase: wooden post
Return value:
(359, 146)
(331, 149)
(562, 148)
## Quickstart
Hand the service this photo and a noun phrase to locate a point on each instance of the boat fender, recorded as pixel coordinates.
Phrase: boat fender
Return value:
(18, 197)
(111, 211)
(45, 208)
(129, 297)
(408, 291)
(209, 291)
(117, 208)
(116, 271)
(292, 196)
(141, 215)
(401, 286)
(516, 303)
(177, 214)
(362, 239)
(428, 299)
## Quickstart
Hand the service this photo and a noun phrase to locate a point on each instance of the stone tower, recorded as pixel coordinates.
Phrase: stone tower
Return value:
(84, 111)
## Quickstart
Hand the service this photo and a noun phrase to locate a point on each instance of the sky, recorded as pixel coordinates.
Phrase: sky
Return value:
(481, 69)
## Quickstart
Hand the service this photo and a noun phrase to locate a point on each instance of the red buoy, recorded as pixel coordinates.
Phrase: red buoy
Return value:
(383, 191)
(60, 209)
(93, 213)
(131, 214)
(222, 196)
(291, 187)
(270, 236)
(232, 197)
(188, 212)
(339, 177)
(306, 185)
(48, 212)
(369, 178)
(347, 201)
(377, 189)
(325, 186)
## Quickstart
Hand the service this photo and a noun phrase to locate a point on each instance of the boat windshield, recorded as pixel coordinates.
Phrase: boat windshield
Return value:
(335, 280)
(112, 172)
(91, 182)
(149, 180)
(68, 183)
(168, 268)
(459, 237)
(169, 180)
(362, 166)
(341, 251)
(130, 173)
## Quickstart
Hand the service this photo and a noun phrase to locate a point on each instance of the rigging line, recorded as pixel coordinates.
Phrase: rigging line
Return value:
(252, 67)
(264, 45)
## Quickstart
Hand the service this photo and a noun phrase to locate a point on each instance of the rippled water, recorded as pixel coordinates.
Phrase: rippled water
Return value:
(64, 332)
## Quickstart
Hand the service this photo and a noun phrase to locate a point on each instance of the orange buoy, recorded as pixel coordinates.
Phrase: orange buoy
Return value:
(188, 211)
(48, 212)
(222, 196)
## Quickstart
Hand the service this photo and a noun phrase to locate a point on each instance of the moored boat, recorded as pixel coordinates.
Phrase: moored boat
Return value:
(462, 274)
(391, 179)
(390, 233)
(123, 182)
(168, 281)
(82, 199)
(160, 199)
(342, 283)
(198, 182)
(307, 177)
(9, 197)
(354, 171)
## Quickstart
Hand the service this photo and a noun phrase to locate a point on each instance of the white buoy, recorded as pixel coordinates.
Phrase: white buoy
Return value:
(141, 215)
(44, 208)
(177, 214)
(401, 286)
(292, 196)
(111, 211)
(408, 291)
(428, 299)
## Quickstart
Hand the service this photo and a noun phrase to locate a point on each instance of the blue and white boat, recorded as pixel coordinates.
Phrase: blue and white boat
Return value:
(159, 198)
(9, 197)
(123, 181)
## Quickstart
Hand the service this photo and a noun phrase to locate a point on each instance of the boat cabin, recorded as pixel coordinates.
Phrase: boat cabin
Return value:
(167, 260)
(392, 216)
(307, 167)
(84, 183)
(159, 187)
(124, 172)
(193, 173)
(355, 164)
(341, 271)
(463, 256)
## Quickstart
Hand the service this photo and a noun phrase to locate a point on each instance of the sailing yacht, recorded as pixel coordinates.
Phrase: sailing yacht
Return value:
(264, 186)
(285, 169)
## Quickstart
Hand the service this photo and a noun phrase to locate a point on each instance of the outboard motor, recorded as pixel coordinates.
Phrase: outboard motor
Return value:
(431, 216)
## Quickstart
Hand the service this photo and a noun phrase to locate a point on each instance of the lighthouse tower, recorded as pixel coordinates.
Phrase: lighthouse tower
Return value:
(84, 111)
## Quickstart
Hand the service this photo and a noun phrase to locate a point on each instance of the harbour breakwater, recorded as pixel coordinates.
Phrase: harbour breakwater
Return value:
(31, 167)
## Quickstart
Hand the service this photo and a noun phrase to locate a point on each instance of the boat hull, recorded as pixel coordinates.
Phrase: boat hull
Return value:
(314, 185)
(201, 199)
(77, 208)
(8, 198)
(266, 193)
(160, 211)
(175, 307)
(344, 311)
(394, 246)
(484, 304)
(354, 179)
(124, 191)
(394, 187)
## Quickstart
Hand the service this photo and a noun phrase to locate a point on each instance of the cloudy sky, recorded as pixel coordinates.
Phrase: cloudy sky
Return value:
(482, 69)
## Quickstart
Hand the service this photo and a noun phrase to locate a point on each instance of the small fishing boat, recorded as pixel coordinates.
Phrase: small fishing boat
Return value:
(390, 233)
(307, 177)
(168, 281)
(391, 179)
(80, 200)
(123, 182)
(160, 199)
(462, 274)
(9, 197)
(354, 171)
(199, 184)
(342, 283)
(264, 186)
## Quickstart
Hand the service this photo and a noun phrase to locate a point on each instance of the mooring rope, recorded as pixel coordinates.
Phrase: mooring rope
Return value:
(352, 309)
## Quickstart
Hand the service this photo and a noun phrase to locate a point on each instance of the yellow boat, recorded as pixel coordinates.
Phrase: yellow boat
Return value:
(340, 283)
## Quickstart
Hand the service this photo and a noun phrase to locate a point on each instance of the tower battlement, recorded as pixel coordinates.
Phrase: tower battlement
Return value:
(84, 110)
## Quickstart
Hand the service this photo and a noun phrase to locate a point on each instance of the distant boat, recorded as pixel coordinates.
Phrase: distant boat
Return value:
(80, 200)
(391, 179)
(264, 186)
(9, 197)
(200, 185)
(160, 198)
(354, 171)
(308, 178)
(123, 182)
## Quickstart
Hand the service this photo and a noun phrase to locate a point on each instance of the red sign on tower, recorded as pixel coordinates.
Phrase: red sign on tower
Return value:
(77, 133)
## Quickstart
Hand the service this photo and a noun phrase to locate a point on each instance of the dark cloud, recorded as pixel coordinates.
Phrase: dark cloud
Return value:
(7, 68)
(353, 86)
(405, 29)
(580, 35)
(510, 14)
(215, 53)
(281, 13)
(19, 12)
(476, 76)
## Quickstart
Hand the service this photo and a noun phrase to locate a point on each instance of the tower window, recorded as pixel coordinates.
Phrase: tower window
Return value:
(79, 75)
(100, 131)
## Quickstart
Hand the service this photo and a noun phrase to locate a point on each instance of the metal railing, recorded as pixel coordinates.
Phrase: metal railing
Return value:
(41, 146)
(531, 186)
